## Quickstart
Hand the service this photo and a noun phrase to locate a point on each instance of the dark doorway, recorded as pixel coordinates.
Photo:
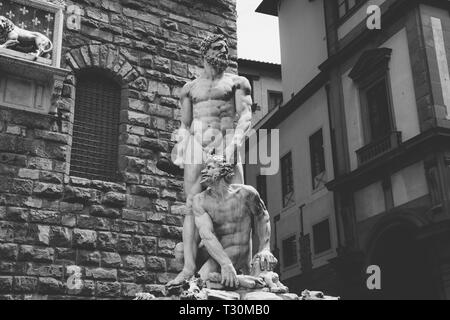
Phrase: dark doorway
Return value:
(404, 264)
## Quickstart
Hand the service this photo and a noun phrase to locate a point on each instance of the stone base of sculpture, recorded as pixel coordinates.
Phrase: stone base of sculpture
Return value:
(250, 289)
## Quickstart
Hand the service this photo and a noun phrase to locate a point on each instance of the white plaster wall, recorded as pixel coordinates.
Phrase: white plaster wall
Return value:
(369, 201)
(409, 184)
(352, 118)
(303, 42)
(356, 18)
(403, 96)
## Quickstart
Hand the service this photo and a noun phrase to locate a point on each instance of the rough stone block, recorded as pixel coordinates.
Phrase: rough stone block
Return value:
(60, 237)
(6, 284)
(156, 264)
(43, 216)
(46, 190)
(130, 289)
(125, 243)
(30, 253)
(50, 286)
(101, 273)
(134, 262)
(134, 215)
(88, 258)
(114, 199)
(9, 251)
(43, 270)
(111, 260)
(143, 244)
(17, 214)
(84, 238)
(107, 241)
(108, 289)
(25, 284)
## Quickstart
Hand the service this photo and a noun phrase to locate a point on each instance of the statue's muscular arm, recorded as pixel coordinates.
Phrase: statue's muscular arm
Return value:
(215, 249)
(243, 105)
(262, 229)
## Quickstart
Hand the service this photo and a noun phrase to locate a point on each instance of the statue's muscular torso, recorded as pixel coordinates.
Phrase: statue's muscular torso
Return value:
(213, 106)
(232, 219)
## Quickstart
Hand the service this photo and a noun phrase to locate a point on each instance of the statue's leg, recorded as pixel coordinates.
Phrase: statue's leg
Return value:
(9, 43)
(191, 238)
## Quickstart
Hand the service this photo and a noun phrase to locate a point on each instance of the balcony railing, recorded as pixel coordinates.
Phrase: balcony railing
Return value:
(378, 148)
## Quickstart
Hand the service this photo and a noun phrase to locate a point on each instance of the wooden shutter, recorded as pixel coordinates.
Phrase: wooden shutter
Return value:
(96, 127)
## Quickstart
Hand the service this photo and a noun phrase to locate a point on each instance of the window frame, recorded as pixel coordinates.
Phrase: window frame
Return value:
(269, 92)
(116, 176)
(364, 88)
(326, 251)
(324, 171)
(285, 193)
(295, 262)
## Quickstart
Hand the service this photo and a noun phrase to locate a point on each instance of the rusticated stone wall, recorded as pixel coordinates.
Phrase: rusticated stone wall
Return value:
(120, 234)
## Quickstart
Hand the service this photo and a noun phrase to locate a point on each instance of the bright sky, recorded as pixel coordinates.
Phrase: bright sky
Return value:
(258, 37)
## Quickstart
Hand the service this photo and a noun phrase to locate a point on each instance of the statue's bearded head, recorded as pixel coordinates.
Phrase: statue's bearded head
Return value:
(216, 168)
(215, 51)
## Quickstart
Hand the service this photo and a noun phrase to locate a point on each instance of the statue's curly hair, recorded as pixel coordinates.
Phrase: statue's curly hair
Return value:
(206, 44)
(226, 169)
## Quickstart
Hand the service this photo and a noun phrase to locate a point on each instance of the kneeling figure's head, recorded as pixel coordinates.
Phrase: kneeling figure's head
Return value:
(216, 168)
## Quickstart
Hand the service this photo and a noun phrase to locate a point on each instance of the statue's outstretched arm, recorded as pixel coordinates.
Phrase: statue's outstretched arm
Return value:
(262, 222)
(182, 135)
(243, 103)
(263, 231)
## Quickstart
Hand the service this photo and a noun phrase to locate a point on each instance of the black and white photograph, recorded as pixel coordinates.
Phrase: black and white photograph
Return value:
(258, 153)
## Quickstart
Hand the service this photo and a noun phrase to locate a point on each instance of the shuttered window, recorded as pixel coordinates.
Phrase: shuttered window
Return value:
(96, 127)
(289, 251)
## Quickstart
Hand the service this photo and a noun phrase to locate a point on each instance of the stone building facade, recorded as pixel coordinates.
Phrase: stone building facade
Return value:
(388, 100)
(120, 233)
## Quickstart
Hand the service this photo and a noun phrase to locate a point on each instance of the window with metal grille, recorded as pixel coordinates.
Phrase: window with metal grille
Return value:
(322, 237)
(261, 186)
(287, 180)
(96, 127)
(289, 251)
(317, 159)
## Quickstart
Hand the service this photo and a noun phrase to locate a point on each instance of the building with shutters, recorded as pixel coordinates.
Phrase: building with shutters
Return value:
(388, 114)
(301, 207)
(81, 130)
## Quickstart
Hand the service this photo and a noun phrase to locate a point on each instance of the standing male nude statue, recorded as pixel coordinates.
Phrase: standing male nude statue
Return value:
(210, 106)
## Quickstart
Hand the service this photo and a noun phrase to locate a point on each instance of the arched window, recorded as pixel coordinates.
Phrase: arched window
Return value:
(96, 127)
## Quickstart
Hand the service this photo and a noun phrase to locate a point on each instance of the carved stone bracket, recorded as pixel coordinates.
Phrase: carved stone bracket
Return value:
(30, 85)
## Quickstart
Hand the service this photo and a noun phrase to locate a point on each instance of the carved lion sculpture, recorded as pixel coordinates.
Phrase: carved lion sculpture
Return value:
(38, 43)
